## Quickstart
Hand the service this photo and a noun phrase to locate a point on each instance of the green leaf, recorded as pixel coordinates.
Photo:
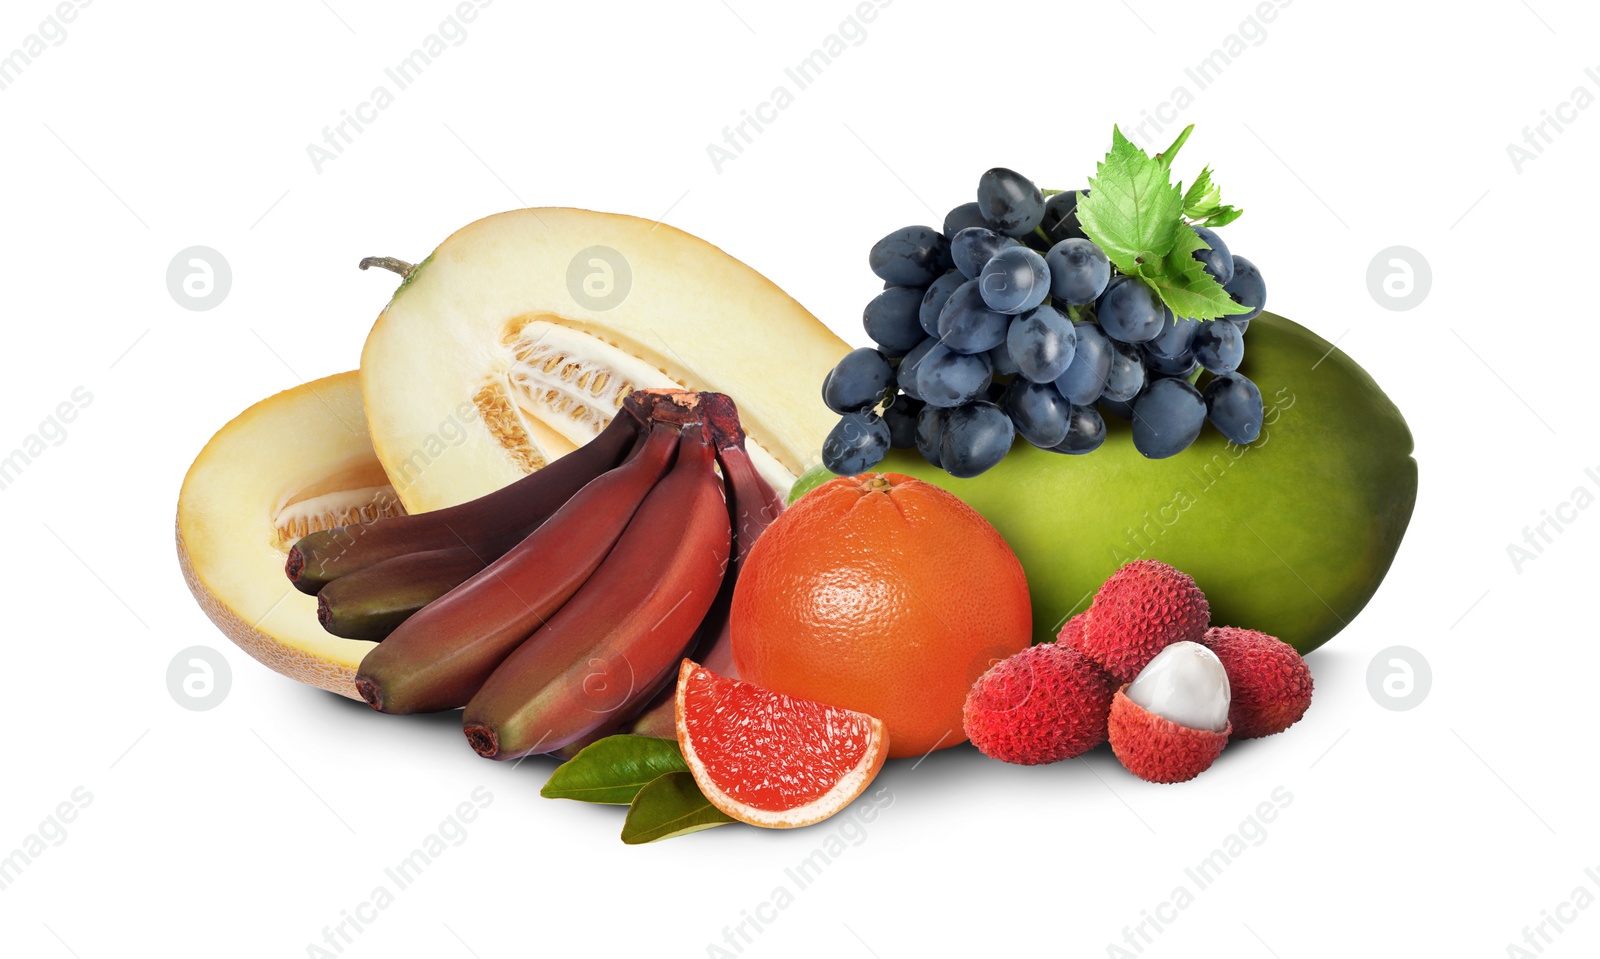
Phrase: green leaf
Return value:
(1165, 157)
(1184, 285)
(1135, 214)
(1203, 203)
(1202, 196)
(1223, 217)
(669, 806)
(1132, 212)
(614, 769)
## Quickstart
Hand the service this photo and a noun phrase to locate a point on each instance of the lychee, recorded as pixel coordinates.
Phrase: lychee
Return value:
(1271, 684)
(1073, 629)
(1171, 722)
(1144, 607)
(1042, 705)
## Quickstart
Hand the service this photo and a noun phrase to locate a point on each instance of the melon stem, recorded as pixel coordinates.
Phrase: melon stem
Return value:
(391, 264)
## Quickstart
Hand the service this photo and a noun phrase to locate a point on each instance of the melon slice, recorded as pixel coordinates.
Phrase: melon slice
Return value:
(518, 339)
(293, 463)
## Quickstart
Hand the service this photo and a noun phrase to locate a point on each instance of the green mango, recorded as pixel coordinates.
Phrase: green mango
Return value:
(1290, 534)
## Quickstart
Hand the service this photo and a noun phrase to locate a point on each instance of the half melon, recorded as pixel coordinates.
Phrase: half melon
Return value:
(518, 338)
(293, 463)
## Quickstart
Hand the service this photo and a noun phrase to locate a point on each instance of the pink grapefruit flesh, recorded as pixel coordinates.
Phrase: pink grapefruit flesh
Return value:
(773, 760)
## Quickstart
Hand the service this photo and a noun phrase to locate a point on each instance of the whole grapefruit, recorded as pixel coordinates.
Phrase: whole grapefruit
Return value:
(882, 594)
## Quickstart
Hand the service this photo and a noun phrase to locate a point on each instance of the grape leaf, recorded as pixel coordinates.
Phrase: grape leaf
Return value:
(1165, 157)
(669, 806)
(1132, 210)
(1203, 195)
(1202, 202)
(1183, 284)
(1141, 220)
(614, 769)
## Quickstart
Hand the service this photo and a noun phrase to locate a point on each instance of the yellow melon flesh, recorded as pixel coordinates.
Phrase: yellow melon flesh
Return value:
(295, 462)
(491, 359)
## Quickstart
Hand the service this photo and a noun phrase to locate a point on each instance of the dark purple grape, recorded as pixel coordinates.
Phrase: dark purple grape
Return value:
(1001, 361)
(892, 320)
(1176, 338)
(1079, 272)
(1247, 289)
(933, 301)
(858, 382)
(930, 431)
(1158, 365)
(1060, 220)
(1085, 378)
(1234, 405)
(1009, 201)
(973, 248)
(858, 443)
(1042, 343)
(967, 325)
(963, 216)
(1219, 346)
(910, 256)
(901, 417)
(1015, 280)
(1086, 430)
(1217, 261)
(1130, 311)
(947, 378)
(976, 437)
(1039, 412)
(906, 375)
(1167, 418)
(1126, 377)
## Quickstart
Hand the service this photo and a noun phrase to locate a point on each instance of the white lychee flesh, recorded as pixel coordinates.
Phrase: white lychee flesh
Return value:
(1185, 684)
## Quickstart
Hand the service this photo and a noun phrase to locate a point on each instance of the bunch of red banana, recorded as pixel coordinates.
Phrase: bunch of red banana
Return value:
(557, 609)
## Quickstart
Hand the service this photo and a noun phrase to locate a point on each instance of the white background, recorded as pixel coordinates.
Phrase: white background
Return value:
(245, 830)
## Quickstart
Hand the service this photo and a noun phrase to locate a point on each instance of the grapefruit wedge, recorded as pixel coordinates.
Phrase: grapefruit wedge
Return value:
(772, 760)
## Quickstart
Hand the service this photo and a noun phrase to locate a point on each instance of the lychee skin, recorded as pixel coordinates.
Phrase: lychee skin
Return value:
(1159, 750)
(1271, 684)
(1144, 607)
(1073, 629)
(1042, 705)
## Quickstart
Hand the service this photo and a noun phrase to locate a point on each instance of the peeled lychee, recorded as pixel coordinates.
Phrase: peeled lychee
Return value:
(1271, 684)
(1042, 705)
(1171, 722)
(1144, 607)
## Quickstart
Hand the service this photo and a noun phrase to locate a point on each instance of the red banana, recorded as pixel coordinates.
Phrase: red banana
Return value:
(319, 558)
(372, 602)
(441, 656)
(620, 637)
(753, 504)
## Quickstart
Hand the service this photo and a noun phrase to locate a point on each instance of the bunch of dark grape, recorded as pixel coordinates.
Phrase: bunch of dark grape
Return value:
(1011, 322)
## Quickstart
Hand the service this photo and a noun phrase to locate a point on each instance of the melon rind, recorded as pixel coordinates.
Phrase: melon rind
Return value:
(226, 529)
